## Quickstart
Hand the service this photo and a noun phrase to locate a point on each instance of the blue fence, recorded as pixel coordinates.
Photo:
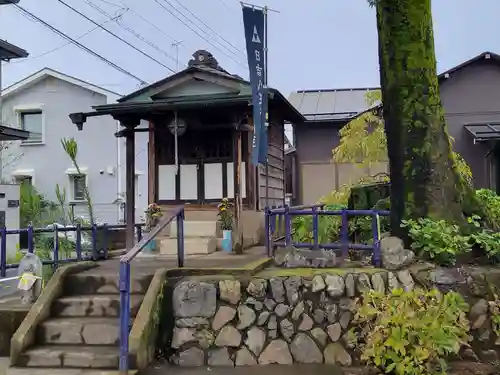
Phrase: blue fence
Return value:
(280, 218)
(124, 284)
(99, 242)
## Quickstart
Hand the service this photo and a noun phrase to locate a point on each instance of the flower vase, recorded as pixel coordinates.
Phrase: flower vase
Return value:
(227, 241)
(151, 246)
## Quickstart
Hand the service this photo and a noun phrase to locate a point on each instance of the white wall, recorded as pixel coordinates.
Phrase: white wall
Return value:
(12, 193)
(99, 151)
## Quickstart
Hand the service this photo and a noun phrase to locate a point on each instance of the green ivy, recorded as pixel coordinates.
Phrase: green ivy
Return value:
(410, 333)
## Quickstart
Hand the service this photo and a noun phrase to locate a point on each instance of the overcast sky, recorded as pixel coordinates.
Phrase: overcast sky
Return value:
(312, 44)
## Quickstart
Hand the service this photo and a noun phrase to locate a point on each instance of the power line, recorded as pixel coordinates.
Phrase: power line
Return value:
(209, 28)
(130, 30)
(116, 36)
(225, 6)
(61, 46)
(148, 22)
(201, 29)
(195, 31)
(110, 3)
(78, 44)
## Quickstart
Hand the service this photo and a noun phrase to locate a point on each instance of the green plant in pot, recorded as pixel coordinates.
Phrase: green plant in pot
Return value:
(153, 216)
(225, 216)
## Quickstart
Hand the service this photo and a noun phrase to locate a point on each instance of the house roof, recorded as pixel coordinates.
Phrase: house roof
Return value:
(12, 134)
(187, 102)
(341, 105)
(48, 72)
(330, 105)
(202, 62)
(191, 69)
(482, 56)
(9, 51)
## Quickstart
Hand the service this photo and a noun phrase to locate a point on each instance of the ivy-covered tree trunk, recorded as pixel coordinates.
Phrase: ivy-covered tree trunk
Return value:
(424, 179)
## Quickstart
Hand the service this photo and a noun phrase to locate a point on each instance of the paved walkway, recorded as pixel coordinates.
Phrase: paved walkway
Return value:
(148, 264)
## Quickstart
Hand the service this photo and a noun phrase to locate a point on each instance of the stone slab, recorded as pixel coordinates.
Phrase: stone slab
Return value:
(103, 305)
(81, 357)
(79, 331)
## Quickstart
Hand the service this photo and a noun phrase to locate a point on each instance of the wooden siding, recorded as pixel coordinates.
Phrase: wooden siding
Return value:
(276, 168)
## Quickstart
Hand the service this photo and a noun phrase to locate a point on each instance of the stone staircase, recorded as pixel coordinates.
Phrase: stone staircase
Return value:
(82, 332)
(200, 237)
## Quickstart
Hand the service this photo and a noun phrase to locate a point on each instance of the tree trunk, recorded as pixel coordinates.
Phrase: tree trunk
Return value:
(424, 179)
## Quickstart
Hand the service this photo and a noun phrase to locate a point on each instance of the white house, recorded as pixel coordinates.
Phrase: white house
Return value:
(41, 103)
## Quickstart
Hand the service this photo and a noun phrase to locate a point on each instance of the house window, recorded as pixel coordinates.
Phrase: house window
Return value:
(24, 180)
(32, 121)
(78, 183)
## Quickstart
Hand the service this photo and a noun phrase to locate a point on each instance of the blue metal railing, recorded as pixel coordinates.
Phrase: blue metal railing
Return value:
(286, 213)
(124, 284)
(98, 250)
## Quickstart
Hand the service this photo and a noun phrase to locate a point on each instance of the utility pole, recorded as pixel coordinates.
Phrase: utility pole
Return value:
(176, 46)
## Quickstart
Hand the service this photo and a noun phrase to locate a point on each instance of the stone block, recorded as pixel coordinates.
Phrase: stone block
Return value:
(304, 258)
(193, 298)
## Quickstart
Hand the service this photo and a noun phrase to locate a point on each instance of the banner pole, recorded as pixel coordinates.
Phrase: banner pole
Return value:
(258, 7)
(267, 109)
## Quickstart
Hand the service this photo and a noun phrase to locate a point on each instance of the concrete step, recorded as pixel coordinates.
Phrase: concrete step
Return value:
(192, 246)
(96, 283)
(79, 331)
(78, 357)
(98, 305)
(196, 229)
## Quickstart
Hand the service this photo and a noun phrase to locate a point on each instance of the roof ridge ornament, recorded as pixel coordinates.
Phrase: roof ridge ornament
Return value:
(204, 58)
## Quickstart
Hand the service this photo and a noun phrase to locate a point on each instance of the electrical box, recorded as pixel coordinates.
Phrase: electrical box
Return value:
(9, 214)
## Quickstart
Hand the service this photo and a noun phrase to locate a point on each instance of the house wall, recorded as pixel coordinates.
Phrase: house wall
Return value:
(317, 174)
(98, 148)
(276, 167)
(472, 95)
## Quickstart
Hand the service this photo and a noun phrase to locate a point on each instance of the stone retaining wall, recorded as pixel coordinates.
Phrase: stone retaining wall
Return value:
(285, 320)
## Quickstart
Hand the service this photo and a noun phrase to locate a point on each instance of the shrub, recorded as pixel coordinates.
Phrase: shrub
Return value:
(491, 201)
(436, 240)
(410, 333)
(328, 227)
(485, 239)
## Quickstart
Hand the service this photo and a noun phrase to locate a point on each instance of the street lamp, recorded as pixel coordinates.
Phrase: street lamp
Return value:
(5, 2)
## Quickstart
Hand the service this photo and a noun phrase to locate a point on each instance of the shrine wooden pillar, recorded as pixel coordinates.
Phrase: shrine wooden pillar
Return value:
(152, 167)
(129, 125)
(238, 201)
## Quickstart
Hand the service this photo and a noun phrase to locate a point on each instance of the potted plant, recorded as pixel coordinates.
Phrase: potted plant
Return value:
(225, 216)
(153, 215)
